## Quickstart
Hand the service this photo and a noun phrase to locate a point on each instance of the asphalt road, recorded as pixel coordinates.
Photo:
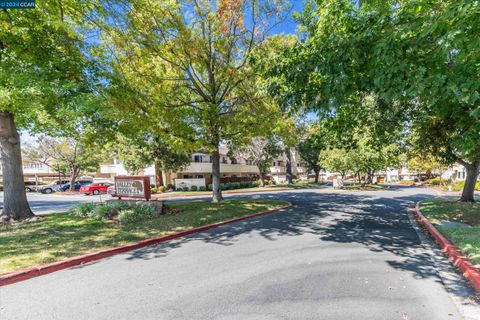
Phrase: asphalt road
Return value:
(330, 256)
(56, 202)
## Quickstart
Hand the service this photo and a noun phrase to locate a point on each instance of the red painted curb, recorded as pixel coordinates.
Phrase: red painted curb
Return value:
(469, 270)
(25, 274)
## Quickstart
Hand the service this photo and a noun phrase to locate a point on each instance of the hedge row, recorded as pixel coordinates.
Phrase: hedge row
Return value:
(224, 186)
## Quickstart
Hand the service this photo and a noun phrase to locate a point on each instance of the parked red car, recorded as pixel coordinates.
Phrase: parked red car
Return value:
(95, 188)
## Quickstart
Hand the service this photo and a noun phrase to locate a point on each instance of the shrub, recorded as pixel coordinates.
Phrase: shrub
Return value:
(407, 182)
(201, 188)
(185, 189)
(101, 212)
(135, 214)
(235, 185)
(434, 181)
(193, 188)
(153, 190)
(162, 189)
(83, 209)
(210, 187)
(170, 186)
(458, 186)
(245, 184)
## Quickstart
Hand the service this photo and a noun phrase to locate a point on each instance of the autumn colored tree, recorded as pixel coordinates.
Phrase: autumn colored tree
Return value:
(190, 61)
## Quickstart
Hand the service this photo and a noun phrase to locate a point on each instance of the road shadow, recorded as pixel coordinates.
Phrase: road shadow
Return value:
(377, 220)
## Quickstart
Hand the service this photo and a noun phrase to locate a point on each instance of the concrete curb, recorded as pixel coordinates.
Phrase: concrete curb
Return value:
(459, 260)
(25, 274)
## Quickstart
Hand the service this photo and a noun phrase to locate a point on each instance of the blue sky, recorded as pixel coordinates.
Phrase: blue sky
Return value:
(289, 25)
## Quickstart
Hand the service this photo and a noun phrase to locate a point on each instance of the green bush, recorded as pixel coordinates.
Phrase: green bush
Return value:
(101, 212)
(185, 189)
(458, 186)
(245, 184)
(170, 186)
(135, 214)
(162, 189)
(1, 187)
(210, 187)
(435, 181)
(153, 190)
(407, 182)
(235, 185)
(83, 209)
(201, 188)
(193, 188)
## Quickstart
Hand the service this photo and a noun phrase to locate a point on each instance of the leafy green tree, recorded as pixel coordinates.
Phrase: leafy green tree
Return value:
(45, 78)
(336, 160)
(427, 164)
(138, 153)
(196, 56)
(417, 58)
(261, 152)
(71, 156)
(312, 147)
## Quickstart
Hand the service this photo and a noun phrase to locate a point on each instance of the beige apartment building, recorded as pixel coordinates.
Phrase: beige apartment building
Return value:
(199, 171)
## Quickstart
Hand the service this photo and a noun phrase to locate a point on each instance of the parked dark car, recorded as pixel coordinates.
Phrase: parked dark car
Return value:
(78, 185)
(52, 187)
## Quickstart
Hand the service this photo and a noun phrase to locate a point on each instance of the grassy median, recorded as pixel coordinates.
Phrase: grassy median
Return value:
(467, 239)
(276, 187)
(62, 235)
(365, 187)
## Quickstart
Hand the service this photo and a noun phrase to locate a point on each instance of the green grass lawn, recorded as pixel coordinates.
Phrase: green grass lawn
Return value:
(367, 187)
(60, 236)
(256, 189)
(297, 186)
(466, 239)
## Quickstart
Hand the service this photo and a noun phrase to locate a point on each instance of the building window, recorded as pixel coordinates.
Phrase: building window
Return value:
(233, 161)
(197, 158)
(224, 160)
(273, 163)
(32, 165)
(198, 176)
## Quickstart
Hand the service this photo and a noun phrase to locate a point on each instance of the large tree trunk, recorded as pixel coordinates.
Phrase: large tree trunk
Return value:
(288, 167)
(468, 193)
(73, 178)
(15, 204)
(158, 175)
(216, 191)
(262, 177)
(317, 173)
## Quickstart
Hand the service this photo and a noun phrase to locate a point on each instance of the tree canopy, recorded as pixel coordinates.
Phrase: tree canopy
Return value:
(417, 59)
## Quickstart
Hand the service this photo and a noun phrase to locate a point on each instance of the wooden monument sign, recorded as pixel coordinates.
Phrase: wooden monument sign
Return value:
(132, 187)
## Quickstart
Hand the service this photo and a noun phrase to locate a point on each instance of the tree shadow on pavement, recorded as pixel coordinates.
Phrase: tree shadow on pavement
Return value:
(375, 220)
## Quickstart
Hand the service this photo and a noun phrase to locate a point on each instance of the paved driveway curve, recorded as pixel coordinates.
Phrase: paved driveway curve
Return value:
(331, 256)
